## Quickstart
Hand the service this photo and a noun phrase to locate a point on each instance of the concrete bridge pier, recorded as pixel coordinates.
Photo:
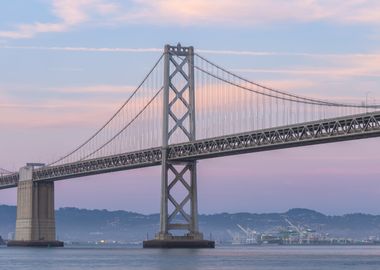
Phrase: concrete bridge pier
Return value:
(35, 223)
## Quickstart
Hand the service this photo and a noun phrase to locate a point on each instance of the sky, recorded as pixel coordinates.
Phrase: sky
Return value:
(67, 65)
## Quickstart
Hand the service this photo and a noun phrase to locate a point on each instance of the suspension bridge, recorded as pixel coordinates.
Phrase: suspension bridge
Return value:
(186, 109)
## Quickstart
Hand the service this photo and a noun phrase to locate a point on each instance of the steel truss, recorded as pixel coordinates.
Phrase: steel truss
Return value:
(138, 159)
(325, 131)
(185, 175)
(9, 180)
(317, 132)
(101, 165)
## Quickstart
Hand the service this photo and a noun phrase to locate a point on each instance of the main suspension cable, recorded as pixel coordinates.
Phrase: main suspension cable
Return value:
(113, 116)
(297, 97)
(125, 127)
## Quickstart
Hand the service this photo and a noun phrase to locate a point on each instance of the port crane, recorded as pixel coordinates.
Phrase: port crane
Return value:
(251, 235)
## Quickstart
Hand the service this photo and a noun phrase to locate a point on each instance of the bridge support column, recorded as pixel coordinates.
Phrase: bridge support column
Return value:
(179, 212)
(179, 203)
(35, 223)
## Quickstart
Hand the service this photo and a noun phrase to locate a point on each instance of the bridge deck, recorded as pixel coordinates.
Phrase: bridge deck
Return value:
(325, 131)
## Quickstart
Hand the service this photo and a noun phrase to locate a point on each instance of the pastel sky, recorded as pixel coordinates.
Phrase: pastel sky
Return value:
(66, 66)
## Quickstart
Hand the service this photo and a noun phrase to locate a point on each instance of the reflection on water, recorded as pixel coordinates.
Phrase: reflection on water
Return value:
(257, 258)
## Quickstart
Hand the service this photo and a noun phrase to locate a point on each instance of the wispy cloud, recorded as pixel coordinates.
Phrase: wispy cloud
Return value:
(254, 12)
(84, 49)
(96, 104)
(95, 89)
(105, 91)
(56, 112)
(297, 54)
(351, 66)
(329, 72)
(288, 84)
(71, 14)
(201, 51)
(30, 30)
(327, 65)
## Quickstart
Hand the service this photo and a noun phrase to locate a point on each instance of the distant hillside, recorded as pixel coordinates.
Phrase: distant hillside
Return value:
(75, 224)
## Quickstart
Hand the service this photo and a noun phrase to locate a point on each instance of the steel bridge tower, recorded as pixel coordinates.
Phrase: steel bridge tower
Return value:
(178, 213)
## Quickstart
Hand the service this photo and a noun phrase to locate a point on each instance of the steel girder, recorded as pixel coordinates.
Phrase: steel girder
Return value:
(318, 132)
(324, 131)
(9, 180)
(120, 162)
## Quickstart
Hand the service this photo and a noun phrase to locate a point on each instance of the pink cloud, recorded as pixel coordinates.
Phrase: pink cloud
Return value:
(254, 12)
(86, 49)
(55, 112)
(101, 101)
(289, 84)
(330, 67)
(200, 12)
(328, 71)
(69, 14)
(96, 89)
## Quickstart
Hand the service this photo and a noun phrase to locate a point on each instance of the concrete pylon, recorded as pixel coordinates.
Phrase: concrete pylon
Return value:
(35, 223)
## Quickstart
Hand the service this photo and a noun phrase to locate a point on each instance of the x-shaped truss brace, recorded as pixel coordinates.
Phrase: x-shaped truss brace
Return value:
(179, 178)
(179, 95)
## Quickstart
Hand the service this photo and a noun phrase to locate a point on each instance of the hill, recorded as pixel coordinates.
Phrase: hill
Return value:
(75, 224)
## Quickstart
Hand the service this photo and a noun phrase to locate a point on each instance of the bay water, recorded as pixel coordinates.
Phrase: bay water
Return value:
(221, 258)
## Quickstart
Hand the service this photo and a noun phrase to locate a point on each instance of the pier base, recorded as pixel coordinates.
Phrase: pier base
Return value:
(35, 222)
(178, 242)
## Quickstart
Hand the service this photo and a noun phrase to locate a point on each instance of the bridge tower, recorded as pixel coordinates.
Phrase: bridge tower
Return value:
(178, 213)
(35, 221)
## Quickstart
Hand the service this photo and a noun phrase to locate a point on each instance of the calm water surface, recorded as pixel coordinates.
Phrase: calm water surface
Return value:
(257, 258)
